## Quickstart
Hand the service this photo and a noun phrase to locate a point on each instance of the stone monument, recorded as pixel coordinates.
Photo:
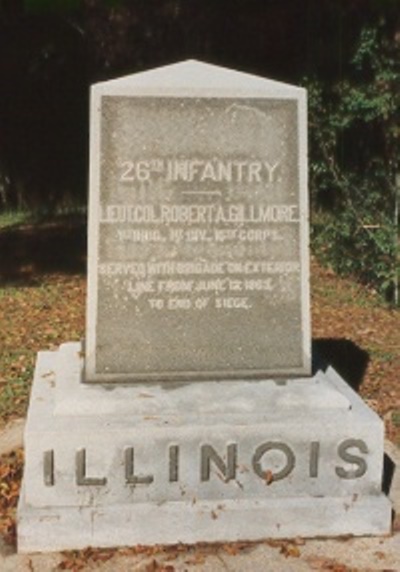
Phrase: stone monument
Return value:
(191, 412)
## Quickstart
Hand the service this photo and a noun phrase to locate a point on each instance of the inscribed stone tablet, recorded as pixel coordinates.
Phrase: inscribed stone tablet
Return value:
(198, 236)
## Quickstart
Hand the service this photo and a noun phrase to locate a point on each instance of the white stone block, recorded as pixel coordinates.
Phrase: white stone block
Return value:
(213, 461)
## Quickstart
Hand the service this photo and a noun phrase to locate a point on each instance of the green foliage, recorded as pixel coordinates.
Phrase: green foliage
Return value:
(13, 218)
(62, 213)
(354, 149)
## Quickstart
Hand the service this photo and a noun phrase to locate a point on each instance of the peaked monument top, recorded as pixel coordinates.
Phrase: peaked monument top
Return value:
(192, 78)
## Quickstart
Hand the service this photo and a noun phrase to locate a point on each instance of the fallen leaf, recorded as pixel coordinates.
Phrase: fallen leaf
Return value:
(379, 554)
(289, 549)
(268, 477)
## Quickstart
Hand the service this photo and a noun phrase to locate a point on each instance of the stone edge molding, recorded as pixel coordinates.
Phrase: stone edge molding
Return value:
(53, 529)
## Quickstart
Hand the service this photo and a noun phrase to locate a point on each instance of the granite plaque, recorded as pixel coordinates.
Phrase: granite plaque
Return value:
(198, 238)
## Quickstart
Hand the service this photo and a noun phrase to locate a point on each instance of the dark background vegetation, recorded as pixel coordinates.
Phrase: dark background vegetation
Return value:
(346, 52)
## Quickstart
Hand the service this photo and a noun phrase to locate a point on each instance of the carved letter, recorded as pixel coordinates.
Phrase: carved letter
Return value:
(264, 448)
(314, 458)
(130, 477)
(80, 469)
(48, 468)
(271, 170)
(352, 459)
(209, 454)
(173, 463)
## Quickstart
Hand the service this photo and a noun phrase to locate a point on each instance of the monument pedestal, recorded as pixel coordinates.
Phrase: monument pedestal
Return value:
(193, 462)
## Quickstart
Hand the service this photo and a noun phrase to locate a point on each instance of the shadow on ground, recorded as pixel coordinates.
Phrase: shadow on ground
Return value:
(29, 251)
(346, 357)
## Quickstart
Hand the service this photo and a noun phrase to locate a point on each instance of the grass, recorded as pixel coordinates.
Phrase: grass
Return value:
(346, 291)
(20, 217)
(14, 218)
(14, 391)
(382, 354)
(37, 317)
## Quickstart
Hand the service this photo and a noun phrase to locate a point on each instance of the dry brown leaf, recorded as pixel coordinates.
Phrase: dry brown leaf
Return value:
(152, 566)
(379, 554)
(288, 549)
(196, 559)
(269, 477)
(155, 566)
(231, 549)
(328, 565)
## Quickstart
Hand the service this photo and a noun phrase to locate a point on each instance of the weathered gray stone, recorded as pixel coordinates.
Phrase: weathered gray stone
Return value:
(198, 242)
(276, 460)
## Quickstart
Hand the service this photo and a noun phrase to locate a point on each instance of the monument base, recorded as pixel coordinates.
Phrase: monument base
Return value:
(207, 461)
